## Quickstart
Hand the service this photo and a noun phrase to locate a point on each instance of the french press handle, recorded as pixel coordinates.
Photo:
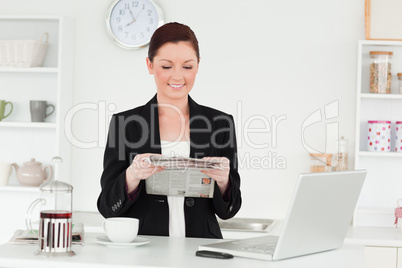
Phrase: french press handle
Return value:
(28, 215)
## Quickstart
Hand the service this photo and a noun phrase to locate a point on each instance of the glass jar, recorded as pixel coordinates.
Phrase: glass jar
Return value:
(341, 158)
(380, 71)
(320, 162)
(379, 136)
(399, 83)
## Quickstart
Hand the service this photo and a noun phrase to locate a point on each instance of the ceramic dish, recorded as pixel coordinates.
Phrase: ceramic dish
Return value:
(138, 241)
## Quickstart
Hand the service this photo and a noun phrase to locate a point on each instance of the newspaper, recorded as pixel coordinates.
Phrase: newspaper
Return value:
(181, 177)
(25, 237)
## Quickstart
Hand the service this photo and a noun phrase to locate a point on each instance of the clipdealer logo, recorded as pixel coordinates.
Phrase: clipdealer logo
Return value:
(263, 138)
(329, 116)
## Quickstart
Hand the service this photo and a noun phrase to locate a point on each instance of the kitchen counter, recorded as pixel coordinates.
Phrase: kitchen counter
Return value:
(180, 252)
(168, 252)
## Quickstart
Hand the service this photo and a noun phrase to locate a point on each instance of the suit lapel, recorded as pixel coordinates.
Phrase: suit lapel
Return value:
(150, 114)
(200, 130)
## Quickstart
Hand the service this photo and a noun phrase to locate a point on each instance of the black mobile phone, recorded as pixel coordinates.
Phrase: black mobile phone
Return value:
(213, 254)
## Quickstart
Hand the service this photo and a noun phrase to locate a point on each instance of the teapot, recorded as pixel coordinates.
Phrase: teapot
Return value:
(32, 173)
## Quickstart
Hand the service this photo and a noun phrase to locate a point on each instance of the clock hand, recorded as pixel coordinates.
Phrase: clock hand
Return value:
(138, 14)
(134, 20)
(128, 24)
(131, 13)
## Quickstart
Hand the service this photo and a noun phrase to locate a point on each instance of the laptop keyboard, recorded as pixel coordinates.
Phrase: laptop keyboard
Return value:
(268, 249)
(258, 244)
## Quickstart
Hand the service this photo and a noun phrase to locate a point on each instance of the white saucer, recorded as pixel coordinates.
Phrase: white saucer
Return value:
(138, 241)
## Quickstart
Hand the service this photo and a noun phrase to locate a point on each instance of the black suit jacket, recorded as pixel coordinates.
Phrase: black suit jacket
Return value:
(136, 131)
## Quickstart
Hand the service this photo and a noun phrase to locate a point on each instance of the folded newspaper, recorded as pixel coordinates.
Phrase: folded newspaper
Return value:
(25, 237)
(181, 177)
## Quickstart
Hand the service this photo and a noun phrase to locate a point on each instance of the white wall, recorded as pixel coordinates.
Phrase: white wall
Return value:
(266, 58)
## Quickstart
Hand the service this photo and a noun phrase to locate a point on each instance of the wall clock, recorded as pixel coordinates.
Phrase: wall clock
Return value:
(131, 23)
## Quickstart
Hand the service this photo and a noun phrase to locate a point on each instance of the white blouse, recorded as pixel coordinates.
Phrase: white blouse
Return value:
(177, 226)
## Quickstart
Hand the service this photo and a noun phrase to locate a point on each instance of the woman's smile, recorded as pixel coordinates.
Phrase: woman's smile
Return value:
(177, 86)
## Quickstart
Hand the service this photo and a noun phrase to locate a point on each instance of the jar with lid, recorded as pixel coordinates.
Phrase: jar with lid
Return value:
(400, 83)
(379, 136)
(380, 71)
(320, 162)
(341, 157)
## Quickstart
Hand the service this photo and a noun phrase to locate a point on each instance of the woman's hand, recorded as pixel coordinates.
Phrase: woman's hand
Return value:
(140, 170)
(221, 176)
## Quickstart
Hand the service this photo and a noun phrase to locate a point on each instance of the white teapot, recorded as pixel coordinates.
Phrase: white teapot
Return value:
(32, 173)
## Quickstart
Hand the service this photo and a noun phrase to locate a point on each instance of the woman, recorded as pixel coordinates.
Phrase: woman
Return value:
(172, 124)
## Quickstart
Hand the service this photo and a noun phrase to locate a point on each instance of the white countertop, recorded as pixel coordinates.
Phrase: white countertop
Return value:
(169, 252)
(180, 252)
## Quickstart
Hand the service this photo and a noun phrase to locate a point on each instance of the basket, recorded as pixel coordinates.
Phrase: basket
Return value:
(23, 53)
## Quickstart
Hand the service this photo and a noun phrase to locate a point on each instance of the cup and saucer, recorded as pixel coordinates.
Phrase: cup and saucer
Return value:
(121, 233)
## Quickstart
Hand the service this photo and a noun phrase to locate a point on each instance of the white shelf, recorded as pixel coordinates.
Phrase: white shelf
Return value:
(381, 96)
(380, 154)
(28, 125)
(17, 188)
(380, 43)
(29, 70)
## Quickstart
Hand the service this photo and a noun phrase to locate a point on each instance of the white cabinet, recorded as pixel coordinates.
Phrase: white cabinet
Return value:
(380, 257)
(383, 185)
(20, 139)
(384, 257)
(399, 258)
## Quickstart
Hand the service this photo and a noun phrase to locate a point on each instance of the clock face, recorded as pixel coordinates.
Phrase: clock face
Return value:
(132, 22)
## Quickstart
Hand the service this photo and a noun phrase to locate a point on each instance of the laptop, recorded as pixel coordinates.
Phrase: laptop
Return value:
(319, 215)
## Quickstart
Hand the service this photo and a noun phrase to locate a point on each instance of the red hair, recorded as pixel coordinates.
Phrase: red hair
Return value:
(172, 32)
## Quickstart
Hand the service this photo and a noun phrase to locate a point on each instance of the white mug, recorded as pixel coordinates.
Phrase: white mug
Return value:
(121, 230)
(5, 172)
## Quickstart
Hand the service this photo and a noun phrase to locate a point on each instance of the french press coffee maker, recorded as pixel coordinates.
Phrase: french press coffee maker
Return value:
(55, 224)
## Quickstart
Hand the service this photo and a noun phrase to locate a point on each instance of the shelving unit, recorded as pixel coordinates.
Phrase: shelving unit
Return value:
(383, 185)
(21, 139)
